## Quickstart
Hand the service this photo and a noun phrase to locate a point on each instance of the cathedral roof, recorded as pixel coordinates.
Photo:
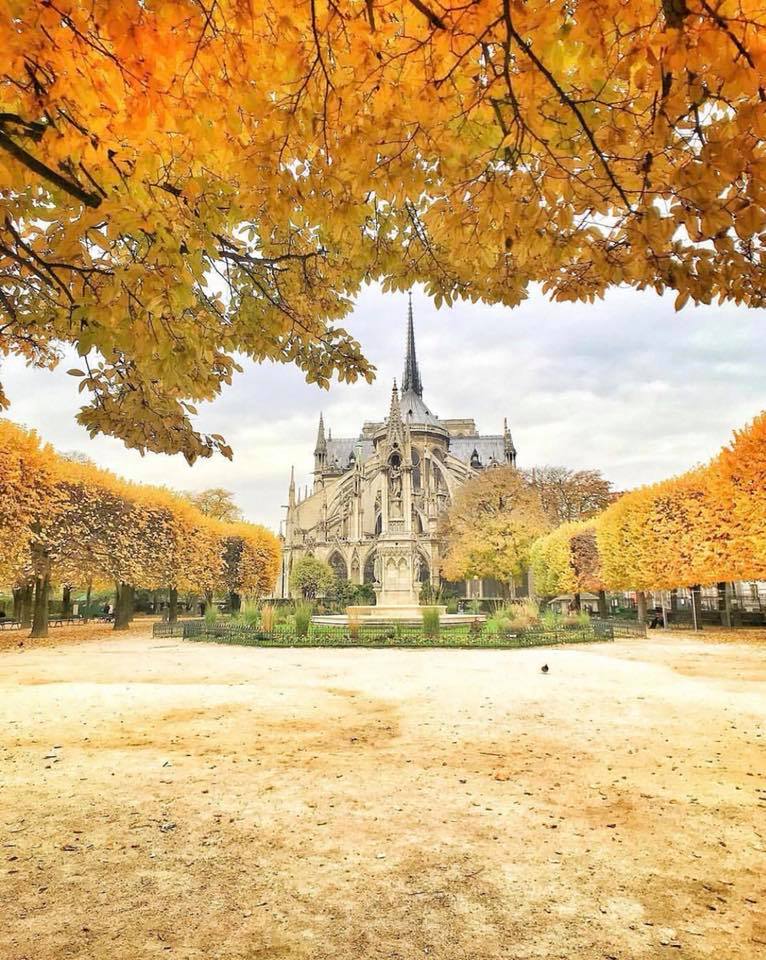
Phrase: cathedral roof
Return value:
(470, 448)
(341, 449)
(487, 448)
(414, 409)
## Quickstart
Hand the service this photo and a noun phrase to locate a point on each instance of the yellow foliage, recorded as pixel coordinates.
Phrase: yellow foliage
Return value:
(550, 562)
(77, 523)
(491, 526)
(185, 182)
(706, 526)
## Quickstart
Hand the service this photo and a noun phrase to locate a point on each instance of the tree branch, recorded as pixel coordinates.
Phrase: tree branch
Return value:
(565, 99)
(37, 166)
(435, 20)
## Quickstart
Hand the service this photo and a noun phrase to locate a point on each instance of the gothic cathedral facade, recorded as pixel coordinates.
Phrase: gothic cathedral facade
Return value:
(373, 509)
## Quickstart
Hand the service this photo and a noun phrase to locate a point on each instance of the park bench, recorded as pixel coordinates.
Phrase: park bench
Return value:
(6, 624)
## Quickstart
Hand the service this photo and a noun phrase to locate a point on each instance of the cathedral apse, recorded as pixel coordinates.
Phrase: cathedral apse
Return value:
(372, 510)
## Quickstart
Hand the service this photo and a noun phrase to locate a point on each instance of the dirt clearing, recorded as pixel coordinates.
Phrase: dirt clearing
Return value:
(169, 799)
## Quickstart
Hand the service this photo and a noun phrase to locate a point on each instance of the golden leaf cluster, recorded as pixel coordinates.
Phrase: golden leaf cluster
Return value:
(187, 182)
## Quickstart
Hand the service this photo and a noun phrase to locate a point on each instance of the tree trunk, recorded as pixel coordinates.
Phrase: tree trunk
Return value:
(173, 605)
(40, 617)
(641, 606)
(123, 607)
(86, 616)
(724, 603)
(696, 607)
(66, 602)
(16, 615)
(576, 603)
(235, 602)
(602, 609)
(27, 592)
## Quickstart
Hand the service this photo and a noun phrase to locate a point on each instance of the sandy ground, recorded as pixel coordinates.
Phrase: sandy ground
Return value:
(198, 801)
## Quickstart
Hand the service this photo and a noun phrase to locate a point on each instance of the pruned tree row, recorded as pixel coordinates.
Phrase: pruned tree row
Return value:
(706, 526)
(64, 522)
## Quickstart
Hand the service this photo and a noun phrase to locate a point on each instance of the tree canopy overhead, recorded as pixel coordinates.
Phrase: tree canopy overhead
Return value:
(188, 180)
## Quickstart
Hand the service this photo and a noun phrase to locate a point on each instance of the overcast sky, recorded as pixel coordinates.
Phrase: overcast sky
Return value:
(625, 385)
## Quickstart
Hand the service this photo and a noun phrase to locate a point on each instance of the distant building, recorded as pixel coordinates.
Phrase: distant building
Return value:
(376, 498)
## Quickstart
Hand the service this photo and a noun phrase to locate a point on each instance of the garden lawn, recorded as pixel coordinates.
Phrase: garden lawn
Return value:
(170, 799)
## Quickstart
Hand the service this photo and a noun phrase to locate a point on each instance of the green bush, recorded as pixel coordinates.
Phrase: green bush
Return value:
(303, 613)
(579, 618)
(551, 620)
(211, 614)
(452, 605)
(431, 623)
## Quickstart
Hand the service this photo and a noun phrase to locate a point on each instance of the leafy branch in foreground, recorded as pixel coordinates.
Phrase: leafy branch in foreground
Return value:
(168, 205)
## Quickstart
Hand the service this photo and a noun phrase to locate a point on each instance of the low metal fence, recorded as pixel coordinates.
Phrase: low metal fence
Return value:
(626, 629)
(386, 635)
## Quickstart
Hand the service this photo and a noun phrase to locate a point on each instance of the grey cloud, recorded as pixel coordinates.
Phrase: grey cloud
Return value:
(625, 384)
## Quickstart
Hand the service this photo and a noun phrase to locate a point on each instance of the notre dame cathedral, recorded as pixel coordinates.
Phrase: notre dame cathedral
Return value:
(373, 508)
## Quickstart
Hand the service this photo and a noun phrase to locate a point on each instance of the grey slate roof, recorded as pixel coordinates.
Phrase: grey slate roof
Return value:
(461, 447)
(487, 447)
(341, 448)
(415, 410)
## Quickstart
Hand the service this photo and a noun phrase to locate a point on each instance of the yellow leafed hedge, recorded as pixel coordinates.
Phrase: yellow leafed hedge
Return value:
(68, 522)
(705, 526)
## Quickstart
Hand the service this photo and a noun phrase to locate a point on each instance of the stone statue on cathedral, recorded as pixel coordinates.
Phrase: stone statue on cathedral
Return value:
(395, 491)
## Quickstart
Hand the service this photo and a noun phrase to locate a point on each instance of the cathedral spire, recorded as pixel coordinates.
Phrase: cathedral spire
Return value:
(321, 446)
(411, 379)
(320, 450)
(395, 428)
(292, 487)
(509, 447)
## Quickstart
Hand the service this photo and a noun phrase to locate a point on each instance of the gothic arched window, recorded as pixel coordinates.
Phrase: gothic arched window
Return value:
(338, 565)
(415, 470)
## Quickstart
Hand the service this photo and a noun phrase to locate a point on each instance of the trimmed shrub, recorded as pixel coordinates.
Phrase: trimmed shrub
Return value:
(303, 613)
(268, 618)
(430, 622)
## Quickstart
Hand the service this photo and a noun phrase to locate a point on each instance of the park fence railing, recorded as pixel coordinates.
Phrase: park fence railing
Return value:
(387, 635)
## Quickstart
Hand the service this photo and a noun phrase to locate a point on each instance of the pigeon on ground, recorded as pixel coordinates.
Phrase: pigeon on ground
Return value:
(544, 668)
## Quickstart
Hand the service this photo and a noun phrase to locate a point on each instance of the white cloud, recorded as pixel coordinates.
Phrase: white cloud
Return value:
(625, 385)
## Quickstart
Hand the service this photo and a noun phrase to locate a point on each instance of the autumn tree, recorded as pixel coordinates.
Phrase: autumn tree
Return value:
(28, 493)
(311, 577)
(250, 561)
(567, 560)
(166, 206)
(569, 495)
(491, 525)
(217, 503)
(67, 521)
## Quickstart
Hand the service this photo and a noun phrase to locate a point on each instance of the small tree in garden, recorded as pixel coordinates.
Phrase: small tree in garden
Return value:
(491, 526)
(568, 495)
(310, 577)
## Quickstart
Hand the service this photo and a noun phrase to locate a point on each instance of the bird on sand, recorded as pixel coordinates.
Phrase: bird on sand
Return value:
(544, 668)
